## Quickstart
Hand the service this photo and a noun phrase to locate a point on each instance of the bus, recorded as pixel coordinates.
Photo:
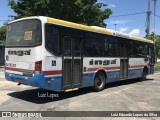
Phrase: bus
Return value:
(63, 56)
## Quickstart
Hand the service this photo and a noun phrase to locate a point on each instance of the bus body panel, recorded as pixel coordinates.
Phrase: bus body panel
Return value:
(30, 54)
(136, 66)
(110, 65)
(53, 65)
(23, 58)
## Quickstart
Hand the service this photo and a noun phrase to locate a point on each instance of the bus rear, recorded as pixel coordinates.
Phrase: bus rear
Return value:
(24, 52)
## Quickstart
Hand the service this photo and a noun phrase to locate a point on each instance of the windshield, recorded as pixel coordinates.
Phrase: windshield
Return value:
(24, 33)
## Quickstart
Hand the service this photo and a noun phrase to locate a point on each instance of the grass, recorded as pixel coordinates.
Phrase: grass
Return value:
(2, 41)
(157, 64)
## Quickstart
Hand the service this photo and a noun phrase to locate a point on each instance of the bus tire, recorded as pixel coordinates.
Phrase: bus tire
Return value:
(99, 81)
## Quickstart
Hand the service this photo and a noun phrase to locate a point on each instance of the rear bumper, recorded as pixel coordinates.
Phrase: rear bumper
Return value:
(38, 80)
(32, 81)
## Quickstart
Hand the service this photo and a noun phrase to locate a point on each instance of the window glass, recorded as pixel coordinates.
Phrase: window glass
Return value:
(138, 49)
(67, 48)
(77, 46)
(152, 54)
(24, 33)
(111, 46)
(100, 45)
(52, 39)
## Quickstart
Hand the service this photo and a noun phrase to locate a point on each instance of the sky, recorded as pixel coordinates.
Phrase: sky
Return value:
(133, 25)
(5, 11)
(136, 24)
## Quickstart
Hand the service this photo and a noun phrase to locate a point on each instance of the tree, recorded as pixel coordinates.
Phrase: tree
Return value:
(157, 43)
(87, 12)
(3, 30)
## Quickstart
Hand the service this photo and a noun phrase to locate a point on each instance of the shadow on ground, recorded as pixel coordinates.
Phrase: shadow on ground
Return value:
(33, 95)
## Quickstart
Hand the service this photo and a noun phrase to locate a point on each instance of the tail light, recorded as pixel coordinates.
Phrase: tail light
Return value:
(38, 67)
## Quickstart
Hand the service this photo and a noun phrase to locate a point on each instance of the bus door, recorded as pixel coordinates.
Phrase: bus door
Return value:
(123, 61)
(72, 62)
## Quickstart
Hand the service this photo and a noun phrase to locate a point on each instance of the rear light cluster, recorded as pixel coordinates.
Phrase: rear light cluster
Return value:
(38, 67)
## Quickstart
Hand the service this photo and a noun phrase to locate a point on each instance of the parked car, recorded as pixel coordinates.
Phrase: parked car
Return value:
(2, 54)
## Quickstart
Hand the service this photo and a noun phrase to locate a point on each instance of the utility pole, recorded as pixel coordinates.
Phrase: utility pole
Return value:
(115, 27)
(155, 29)
(148, 19)
(155, 21)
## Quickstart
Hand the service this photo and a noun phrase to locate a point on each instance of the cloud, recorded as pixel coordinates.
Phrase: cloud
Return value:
(135, 32)
(124, 29)
(112, 6)
(118, 22)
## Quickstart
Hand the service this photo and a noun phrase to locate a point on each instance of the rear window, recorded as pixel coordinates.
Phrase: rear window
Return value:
(24, 33)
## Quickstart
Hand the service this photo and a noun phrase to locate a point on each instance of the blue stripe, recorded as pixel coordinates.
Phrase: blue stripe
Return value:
(54, 82)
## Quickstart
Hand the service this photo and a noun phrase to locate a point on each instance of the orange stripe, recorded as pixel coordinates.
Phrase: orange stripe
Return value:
(54, 72)
(17, 69)
(12, 69)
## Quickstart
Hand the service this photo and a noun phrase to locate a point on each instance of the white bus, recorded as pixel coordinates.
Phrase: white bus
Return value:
(64, 56)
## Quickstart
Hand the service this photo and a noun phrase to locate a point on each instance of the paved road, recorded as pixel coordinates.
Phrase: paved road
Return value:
(130, 95)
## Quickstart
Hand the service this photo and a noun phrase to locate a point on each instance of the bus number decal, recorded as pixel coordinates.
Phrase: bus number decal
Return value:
(10, 65)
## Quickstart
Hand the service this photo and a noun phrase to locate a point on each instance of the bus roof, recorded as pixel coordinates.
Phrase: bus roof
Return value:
(85, 27)
(96, 29)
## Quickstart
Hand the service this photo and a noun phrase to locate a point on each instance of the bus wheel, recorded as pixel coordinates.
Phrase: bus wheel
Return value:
(99, 81)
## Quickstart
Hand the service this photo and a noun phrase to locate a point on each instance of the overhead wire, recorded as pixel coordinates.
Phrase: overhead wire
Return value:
(128, 14)
(131, 15)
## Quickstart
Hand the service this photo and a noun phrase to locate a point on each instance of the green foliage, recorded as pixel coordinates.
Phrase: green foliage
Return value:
(3, 30)
(86, 12)
(157, 43)
(157, 64)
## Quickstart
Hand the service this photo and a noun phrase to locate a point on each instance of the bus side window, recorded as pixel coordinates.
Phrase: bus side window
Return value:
(134, 49)
(152, 54)
(89, 48)
(52, 39)
(111, 46)
(145, 50)
(141, 50)
(108, 50)
(67, 48)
